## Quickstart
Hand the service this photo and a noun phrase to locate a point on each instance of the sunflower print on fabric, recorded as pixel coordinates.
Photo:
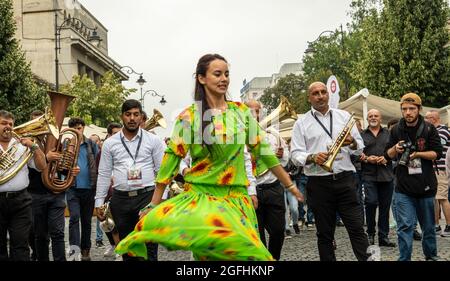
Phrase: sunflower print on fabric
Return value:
(214, 216)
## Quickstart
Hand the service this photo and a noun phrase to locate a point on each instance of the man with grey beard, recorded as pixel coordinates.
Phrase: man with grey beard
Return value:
(377, 175)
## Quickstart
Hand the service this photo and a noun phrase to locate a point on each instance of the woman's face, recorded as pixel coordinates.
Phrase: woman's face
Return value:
(217, 79)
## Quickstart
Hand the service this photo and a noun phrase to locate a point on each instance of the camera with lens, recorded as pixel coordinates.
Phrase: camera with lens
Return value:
(409, 148)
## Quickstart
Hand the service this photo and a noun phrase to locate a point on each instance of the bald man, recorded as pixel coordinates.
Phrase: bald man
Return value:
(378, 179)
(441, 175)
(329, 192)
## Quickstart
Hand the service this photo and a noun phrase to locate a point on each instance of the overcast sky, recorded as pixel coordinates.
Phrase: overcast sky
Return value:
(165, 38)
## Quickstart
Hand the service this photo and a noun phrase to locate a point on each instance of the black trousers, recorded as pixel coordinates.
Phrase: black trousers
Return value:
(271, 216)
(125, 212)
(378, 194)
(48, 216)
(15, 218)
(328, 195)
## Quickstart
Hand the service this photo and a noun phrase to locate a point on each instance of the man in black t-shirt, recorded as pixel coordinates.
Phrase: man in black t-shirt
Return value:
(415, 144)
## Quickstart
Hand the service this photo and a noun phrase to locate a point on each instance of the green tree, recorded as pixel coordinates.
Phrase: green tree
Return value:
(293, 87)
(403, 51)
(19, 93)
(97, 105)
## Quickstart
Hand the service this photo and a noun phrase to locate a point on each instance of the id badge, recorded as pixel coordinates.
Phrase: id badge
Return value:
(415, 167)
(134, 176)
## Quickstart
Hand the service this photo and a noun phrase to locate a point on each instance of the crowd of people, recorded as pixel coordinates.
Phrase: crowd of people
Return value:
(245, 188)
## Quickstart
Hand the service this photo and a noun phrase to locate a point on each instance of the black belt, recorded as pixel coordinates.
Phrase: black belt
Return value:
(11, 194)
(269, 185)
(134, 193)
(335, 177)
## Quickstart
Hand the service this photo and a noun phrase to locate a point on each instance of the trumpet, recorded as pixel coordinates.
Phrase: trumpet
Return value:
(108, 224)
(337, 144)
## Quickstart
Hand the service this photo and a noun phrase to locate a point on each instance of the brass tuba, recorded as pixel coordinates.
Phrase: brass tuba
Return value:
(157, 120)
(284, 111)
(57, 177)
(337, 144)
(10, 162)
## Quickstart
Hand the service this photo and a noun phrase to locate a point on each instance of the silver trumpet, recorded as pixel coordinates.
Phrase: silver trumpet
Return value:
(108, 224)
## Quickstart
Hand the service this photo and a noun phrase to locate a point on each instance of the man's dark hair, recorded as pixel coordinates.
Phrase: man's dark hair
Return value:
(36, 113)
(144, 116)
(392, 122)
(6, 115)
(112, 126)
(130, 104)
(75, 121)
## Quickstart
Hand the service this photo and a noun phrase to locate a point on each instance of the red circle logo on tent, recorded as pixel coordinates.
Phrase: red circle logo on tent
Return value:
(333, 86)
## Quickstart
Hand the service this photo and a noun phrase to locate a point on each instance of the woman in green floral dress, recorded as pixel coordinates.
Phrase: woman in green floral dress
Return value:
(214, 217)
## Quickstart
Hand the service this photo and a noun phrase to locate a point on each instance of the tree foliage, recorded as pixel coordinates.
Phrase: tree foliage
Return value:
(293, 87)
(97, 105)
(19, 93)
(391, 47)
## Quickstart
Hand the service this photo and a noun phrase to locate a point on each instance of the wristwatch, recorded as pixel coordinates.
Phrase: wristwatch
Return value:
(34, 147)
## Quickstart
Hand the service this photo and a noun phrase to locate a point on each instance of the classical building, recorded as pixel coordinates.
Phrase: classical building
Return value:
(37, 25)
(255, 88)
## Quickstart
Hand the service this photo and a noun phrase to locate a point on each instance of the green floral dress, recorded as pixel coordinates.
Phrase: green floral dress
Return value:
(214, 217)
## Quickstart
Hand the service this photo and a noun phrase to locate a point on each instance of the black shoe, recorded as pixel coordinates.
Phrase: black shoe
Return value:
(371, 239)
(99, 244)
(417, 236)
(288, 234)
(384, 242)
(296, 228)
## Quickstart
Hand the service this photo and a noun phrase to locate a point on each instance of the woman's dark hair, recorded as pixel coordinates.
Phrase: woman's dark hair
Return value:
(199, 91)
(130, 104)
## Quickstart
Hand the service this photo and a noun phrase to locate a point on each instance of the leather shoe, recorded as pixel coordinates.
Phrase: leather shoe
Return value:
(371, 239)
(384, 242)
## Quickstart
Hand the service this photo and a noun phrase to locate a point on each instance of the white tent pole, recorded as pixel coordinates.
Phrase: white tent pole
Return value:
(364, 95)
(448, 116)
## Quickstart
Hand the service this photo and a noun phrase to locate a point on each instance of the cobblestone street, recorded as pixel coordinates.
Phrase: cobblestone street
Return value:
(302, 247)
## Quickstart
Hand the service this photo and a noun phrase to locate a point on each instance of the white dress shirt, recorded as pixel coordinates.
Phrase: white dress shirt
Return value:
(274, 139)
(308, 137)
(20, 181)
(115, 159)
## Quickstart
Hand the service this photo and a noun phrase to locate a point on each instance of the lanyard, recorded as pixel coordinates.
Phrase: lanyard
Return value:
(137, 149)
(330, 132)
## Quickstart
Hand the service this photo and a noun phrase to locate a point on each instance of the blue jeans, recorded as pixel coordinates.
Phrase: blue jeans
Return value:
(301, 184)
(293, 208)
(99, 233)
(407, 208)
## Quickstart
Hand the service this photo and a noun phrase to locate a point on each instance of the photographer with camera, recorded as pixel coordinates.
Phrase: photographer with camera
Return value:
(416, 143)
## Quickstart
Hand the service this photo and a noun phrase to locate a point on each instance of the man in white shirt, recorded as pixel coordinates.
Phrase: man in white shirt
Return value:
(15, 201)
(134, 157)
(270, 193)
(329, 192)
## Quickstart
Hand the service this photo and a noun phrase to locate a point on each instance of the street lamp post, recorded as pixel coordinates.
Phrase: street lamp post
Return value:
(154, 94)
(310, 50)
(141, 81)
(93, 38)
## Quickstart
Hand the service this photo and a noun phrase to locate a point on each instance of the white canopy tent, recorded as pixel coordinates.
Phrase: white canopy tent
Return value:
(362, 102)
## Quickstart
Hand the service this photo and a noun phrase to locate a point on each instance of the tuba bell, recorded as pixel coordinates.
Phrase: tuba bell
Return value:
(10, 162)
(58, 177)
(284, 111)
(157, 120)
